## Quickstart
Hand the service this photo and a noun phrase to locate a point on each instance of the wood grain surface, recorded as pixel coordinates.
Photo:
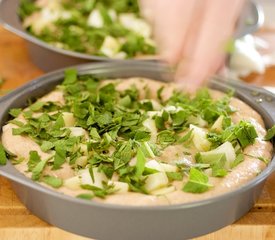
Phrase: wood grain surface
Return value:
(17, 223)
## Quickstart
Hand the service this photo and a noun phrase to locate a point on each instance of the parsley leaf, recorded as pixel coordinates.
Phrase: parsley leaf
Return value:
(165, 138)
(197, 183)
(270, 134)
(46, 146)
(245, 133)
(15, 112)
(34, 159)
(186, 137)
(52, 181)
(140, 165)
(85, 196)
(37, 106)
(3, 156)
(38, 169)
(160, 122)
(123, 154)
(70, 76)
(179, 117)
(174, 176)
(59, 123)
(99, 192)
(59, 157)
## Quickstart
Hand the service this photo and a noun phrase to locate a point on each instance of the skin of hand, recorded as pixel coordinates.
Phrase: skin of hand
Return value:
(192, 35)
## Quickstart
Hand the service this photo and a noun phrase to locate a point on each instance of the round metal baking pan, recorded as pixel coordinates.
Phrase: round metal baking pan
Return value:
(50, 58)
(106, 221)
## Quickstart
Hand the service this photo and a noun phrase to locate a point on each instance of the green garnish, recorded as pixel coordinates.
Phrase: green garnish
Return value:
(197, 183)
(70, 76)
(244, 132)
(140, 165)
(86, 196)
(172, 176)
(59, 157)
(15, 112)
(37, 106)
(46, 146)
(3, 156)
(52, 181)
(99, 192)
(186, 137)
(270, 134)
(38, 169)
(34, 159)
(166, 138)
(216, 161)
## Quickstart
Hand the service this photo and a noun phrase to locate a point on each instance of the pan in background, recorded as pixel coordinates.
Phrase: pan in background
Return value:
(106, 221)
(50, 58)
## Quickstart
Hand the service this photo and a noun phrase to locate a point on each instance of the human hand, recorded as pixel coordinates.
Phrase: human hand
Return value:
(192, 35)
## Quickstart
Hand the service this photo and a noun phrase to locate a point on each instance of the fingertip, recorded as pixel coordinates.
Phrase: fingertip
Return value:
(187, 85)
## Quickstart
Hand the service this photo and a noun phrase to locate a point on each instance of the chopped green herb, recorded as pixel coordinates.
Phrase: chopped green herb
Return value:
(17, 123)
(245, 133)
(160, 123)
(52, 181)
(59, 157)
(148, 150)
(125, 101)
(218, 171)
(27, 7)
(15, 112)
(70, 76)
(172, 176)
(123, 154)
(46, 146)
(3, 156)
(34, 159)
(99, 192)
(179, 117)
(197, 183)
(140, 165)
(186, 137)
(216, 161)
(142, 136)
(85, 196)
(37, 106)
(94, 134)
(270, 134)
(38, 169)
(166, 138)
(59, 123)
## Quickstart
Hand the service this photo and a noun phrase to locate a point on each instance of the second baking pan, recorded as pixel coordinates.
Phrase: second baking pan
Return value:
(50, 58)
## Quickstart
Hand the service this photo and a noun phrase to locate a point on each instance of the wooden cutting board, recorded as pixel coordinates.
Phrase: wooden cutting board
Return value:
(17, 223)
